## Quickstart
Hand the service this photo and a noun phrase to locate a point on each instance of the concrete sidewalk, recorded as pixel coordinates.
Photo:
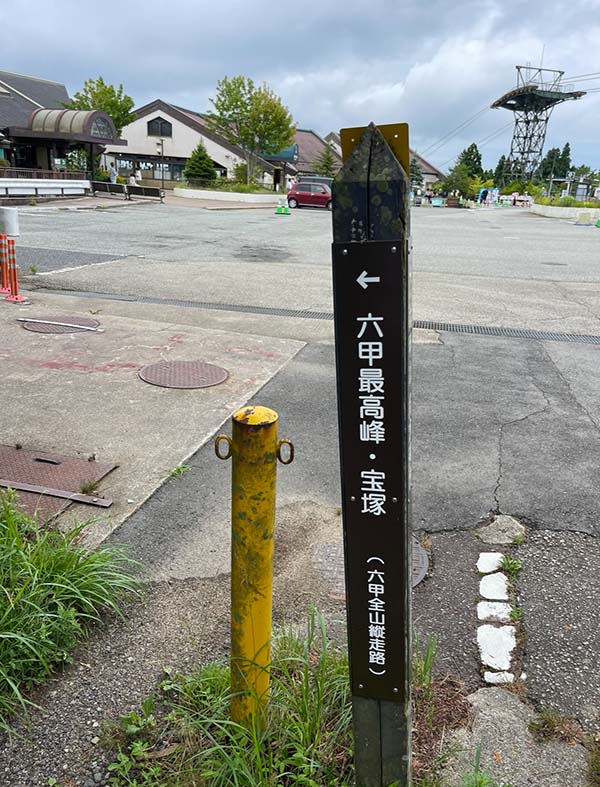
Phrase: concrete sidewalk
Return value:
(79, 394)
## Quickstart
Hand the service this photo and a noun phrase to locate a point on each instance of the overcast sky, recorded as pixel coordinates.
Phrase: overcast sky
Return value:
(335, 63)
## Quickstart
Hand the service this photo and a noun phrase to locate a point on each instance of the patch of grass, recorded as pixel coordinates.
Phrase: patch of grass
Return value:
(33, 269)
(187, 739)
(88, 487)
(511, 566)
(551, 724)
(519, 539)
(423, 664)
(178, 471)
(305, 740)
(51, 587)
(516, 614)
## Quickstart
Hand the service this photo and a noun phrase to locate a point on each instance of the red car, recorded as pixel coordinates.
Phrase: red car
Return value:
(316, 194)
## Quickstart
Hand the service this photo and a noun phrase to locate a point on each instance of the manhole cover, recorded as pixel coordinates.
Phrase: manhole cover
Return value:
(330, 558)
(420, 563)
(183, 374)
(70, 324)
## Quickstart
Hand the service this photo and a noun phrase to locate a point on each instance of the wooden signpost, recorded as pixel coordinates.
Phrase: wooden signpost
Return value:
(371, 282)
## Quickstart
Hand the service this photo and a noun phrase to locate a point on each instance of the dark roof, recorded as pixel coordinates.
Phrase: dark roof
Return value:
(426, 167)
(333, 137)
(310, 147)
(26, 94)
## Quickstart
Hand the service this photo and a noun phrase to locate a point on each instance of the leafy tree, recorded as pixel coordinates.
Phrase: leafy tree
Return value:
(459, 179)
(416, 173)
(253, 118)
(564, 162)
(97, 94)
(199, 166)
(471, 158)
(487, 174)
(548, 164)
(499, 172)
(326, 164)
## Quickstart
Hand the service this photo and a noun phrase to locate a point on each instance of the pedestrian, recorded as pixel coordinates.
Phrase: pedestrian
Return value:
(112, 173)
(132, 180)
(138, 175)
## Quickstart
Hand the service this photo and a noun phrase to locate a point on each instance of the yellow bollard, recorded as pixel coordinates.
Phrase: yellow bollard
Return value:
(254, 449)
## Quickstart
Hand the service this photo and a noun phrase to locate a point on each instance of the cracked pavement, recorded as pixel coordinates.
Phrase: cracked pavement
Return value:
(498, 424)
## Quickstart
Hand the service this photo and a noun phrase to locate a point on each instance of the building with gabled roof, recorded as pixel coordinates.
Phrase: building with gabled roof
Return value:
(36, 129)
(180, 130)
(310, 148)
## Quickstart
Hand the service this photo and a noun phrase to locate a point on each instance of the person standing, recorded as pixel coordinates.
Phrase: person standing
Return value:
(112, 173)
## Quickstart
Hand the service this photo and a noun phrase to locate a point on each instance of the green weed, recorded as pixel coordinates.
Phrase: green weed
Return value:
(305, 741)
(33, 269)
(550, 724)
(51, 587)
(518, 539)
(178, 471)
(477, 777)
(511, 566)
(88, 487)
(423, 665)
(516, 614)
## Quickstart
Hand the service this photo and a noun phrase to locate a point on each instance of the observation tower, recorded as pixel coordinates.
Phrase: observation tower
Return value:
(538, 91)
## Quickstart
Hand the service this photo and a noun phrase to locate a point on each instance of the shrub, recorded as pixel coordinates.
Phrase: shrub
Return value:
(200, 166)
(52, 587)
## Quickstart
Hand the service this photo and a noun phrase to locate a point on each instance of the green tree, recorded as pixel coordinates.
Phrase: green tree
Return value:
(499, 172)
(326, 163)
(564, 162)
(548, 164)
(253, 118)
(97, 94)
(459, 179)
(471, 158)
(416, 173)
(199, 166)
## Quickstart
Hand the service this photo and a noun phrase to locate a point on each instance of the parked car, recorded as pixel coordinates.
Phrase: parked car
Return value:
(315, 194)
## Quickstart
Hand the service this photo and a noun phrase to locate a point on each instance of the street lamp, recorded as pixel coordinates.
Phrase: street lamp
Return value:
(160, 149)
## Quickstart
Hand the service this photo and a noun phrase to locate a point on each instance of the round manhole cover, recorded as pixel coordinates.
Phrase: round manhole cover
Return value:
(183, 374)
(62, 324)
(420, 563)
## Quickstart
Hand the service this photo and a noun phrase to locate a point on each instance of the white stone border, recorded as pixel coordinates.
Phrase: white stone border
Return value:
(554, 212)
(496, 643)
(230, 196)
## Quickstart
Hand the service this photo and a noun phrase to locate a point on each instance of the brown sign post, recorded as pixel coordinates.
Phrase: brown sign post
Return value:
(371, 283)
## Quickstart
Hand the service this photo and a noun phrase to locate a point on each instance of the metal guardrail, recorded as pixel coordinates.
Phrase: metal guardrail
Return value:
(43, 174)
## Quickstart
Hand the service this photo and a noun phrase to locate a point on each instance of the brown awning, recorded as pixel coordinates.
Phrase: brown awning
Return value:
(77, 125)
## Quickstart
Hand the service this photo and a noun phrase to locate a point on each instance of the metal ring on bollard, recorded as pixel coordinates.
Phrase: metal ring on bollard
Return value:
(290, 445)
(229, 444)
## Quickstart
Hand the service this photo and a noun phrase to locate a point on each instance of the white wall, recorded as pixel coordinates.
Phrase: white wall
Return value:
(554, 212)
(181, 144)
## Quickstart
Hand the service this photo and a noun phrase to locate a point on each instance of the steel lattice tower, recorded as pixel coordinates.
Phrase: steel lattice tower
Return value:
(538, 91)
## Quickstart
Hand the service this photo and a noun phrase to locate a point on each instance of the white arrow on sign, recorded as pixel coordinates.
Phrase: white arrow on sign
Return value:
(364, 280)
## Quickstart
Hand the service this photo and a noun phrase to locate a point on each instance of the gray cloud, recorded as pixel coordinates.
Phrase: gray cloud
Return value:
(335, 63)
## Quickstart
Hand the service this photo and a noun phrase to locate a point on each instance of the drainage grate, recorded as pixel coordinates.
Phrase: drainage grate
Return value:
(513, 333)
(183, 374)
(477, 330)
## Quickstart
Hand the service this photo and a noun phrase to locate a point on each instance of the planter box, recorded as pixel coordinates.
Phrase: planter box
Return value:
(452, 202)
